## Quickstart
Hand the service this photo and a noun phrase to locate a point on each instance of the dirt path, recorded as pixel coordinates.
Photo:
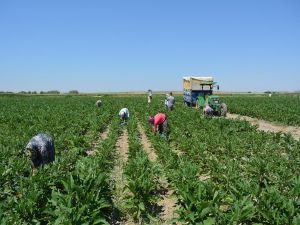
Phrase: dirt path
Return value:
(102, 136)
(122, 148)
(122, 151)
(146, 144)
(268, 126)
(168, 201)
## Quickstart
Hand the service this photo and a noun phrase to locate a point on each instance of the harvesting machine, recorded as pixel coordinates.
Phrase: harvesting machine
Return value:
(198, 91)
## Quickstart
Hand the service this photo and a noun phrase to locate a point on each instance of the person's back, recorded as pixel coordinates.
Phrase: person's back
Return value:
(160, 124)
(41, 150)
(124, 115)
(159, 118)
(124, 111)
(171, 101)
(99, 103)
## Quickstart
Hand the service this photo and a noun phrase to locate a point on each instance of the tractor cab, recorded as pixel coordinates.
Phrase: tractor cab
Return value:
(204, 94)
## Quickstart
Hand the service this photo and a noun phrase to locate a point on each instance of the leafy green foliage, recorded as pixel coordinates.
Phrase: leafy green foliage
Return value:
(75, 188)
(280, 108)
(142, 178)
(221, 171)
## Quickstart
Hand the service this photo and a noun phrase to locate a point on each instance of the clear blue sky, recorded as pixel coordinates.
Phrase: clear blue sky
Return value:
(130, 45)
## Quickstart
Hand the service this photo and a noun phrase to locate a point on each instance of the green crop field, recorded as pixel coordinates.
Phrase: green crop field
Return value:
(278, 108)
(221, 171)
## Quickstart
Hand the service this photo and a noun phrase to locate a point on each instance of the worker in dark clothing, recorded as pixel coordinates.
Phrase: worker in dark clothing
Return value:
(41, 151)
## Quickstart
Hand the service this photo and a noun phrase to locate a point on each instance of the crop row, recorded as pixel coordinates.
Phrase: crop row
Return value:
(74, 189)
(279, 108)
(222, 171)
(227, 172)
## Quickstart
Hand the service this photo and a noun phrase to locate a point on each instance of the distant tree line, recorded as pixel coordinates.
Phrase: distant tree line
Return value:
(55, 92)
(6, 92)
(41, 92)
(50, 92)
(74, 92)
(28, 92)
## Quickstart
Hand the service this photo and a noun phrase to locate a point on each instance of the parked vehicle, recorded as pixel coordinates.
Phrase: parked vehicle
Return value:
(198, 91)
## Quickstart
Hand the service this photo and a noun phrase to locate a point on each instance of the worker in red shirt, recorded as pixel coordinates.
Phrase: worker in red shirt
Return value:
(160, 124)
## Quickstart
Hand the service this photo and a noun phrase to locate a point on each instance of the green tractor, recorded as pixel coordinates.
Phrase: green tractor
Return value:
(219, 108)
(198, 91)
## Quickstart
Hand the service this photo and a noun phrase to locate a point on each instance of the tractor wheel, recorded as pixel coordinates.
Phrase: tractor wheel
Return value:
(223, 109)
